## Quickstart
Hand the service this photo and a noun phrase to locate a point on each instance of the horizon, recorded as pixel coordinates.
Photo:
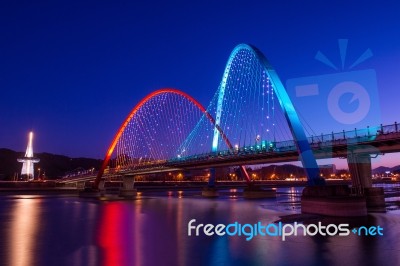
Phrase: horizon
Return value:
(72, 81)
(374, 164)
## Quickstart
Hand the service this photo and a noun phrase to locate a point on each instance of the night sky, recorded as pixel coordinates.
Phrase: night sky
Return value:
(71, 72)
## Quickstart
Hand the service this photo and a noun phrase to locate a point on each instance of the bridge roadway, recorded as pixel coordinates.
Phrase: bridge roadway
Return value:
(287, 152)
(332, 147)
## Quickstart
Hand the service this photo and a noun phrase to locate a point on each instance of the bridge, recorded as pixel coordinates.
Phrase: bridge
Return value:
(336, 145)
(385, 139)
(250, 120)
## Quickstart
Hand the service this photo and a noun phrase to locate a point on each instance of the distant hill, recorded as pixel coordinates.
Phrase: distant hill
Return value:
(396, 169)
(57, 165)
(383, 169)
(380, 170)
(52, 164)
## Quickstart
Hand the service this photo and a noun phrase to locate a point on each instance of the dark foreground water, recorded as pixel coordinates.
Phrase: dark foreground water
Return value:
(152, 230)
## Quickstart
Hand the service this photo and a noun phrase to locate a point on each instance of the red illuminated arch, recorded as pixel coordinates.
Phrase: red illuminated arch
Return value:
(134, 111)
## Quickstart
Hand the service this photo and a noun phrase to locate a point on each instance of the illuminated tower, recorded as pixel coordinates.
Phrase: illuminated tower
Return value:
(28, 161)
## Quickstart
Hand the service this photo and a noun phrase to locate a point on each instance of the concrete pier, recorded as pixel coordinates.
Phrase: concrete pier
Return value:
(332, 201)
(256, 192)
(210, 192)
(88, 191)
(360, 169)
(361, 175)
(375, 199)
(128, 190)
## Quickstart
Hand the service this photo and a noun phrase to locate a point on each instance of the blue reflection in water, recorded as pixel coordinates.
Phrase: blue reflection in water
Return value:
(152, 230)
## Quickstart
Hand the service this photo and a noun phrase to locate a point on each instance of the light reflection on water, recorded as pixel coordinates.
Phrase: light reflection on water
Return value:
(23, 231)
(152, 230)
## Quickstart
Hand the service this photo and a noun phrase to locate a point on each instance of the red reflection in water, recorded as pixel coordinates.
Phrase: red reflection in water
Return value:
(115, 236)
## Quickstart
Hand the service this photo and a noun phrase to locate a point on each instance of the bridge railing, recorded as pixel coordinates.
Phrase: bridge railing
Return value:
(365, 133)
(321, 141)
(346, 135)
(264, 147)
(390, 128)
(316, 142)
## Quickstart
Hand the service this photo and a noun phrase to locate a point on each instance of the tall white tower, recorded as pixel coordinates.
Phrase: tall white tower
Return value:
(28, 161)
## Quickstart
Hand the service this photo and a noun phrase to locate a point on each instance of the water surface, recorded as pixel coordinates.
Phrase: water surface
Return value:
(152, 230)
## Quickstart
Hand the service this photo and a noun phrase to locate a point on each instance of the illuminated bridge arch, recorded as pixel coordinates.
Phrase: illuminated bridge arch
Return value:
(161, 109)
(249, 85)
(306, 156)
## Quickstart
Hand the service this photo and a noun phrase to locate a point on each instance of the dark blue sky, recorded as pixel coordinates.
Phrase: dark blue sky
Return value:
(71, 72)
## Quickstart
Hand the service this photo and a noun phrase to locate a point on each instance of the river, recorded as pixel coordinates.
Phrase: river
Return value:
(153, 230)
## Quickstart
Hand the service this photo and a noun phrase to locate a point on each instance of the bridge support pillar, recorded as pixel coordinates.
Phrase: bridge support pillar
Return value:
(343, 201)
(360, 170)
(80, 185)
(332, 201)
(88, 191)
(256, 192)
(211, 179)
(101, 187)
(210, 192)
(128, 190)
(361, 176)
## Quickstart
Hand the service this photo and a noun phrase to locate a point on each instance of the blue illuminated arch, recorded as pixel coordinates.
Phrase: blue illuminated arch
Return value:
(306, 156)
